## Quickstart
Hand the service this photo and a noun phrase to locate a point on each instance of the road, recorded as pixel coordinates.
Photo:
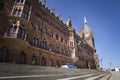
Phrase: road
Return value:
(115, 76)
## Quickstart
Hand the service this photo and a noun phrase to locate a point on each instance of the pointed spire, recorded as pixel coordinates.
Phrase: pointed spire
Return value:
(85, 20)
(52, 10)
(44, 2)
(69, 22)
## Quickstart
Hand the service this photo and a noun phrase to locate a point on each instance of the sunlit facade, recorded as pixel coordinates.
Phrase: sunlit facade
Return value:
(34, 35)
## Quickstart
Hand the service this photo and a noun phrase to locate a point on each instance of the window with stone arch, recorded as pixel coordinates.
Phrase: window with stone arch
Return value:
(43, 61)
(21, 33)
(51, 34)
(36, 27)
(3, 54)
(12, 30)
(57, 64)
(34, 59)
(22, 58)
(50, 62)
(17, 12)
(51, 46)
(44, 30)
(35, 41)
(44, 44)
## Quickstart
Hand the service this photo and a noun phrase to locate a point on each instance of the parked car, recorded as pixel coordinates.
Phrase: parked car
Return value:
(68, 65)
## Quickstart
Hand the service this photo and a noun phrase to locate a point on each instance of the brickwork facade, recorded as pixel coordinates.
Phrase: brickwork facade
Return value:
(34, 35)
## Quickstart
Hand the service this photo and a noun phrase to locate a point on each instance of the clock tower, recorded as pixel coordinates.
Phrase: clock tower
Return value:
(88, 35)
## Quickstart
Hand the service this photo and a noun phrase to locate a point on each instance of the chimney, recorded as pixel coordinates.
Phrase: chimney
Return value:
(43, 2)
(52, 10)
(59, 16)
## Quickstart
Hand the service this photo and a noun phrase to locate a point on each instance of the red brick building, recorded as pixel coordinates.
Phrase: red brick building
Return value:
(31, 33)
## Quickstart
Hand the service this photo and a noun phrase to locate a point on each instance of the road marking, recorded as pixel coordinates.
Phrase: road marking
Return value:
(95, 77)
(78, 77)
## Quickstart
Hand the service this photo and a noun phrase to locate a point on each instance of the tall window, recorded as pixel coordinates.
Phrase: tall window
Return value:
(57, 64)
(57, 37)
(35, 41)
(71, 44)
(17, 12)
(25, 15)
(44, 30)
(52, 24)
(3, 54)
(39, 16)
(43, 61)
(34, 59)
(22, 58)
(27, 3)
(50, 62)
(61, 39)
(51, 34)
(12, 31)
(46, 20)
(21, 33)
(51, 47)
(37, 27)
(57, 49)
(44, 44)
(66, 42)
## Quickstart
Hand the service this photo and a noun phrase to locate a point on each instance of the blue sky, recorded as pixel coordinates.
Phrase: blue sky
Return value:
(103, 17)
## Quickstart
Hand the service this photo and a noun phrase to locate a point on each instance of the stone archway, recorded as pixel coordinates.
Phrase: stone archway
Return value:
(34, 59)
(43, 61)
(22, 58)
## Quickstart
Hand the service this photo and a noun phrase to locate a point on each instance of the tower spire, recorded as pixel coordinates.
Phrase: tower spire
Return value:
(85, 20)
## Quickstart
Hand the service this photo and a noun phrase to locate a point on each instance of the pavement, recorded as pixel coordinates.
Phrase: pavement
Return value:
(115, 75)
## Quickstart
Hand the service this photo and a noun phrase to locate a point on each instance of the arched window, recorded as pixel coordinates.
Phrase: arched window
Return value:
(25, 15)
(51, 47)
(57, 49)
(44, 30)
(22, 58)
(51, 34)
(57, 64)
(12, 30)
(50, 62)
(34, 59)
(57, 37)
(36, 26)
(3, 54)
(35, 41)
(44, 44)
(21, 33)
(43, 61)
(17, 12)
